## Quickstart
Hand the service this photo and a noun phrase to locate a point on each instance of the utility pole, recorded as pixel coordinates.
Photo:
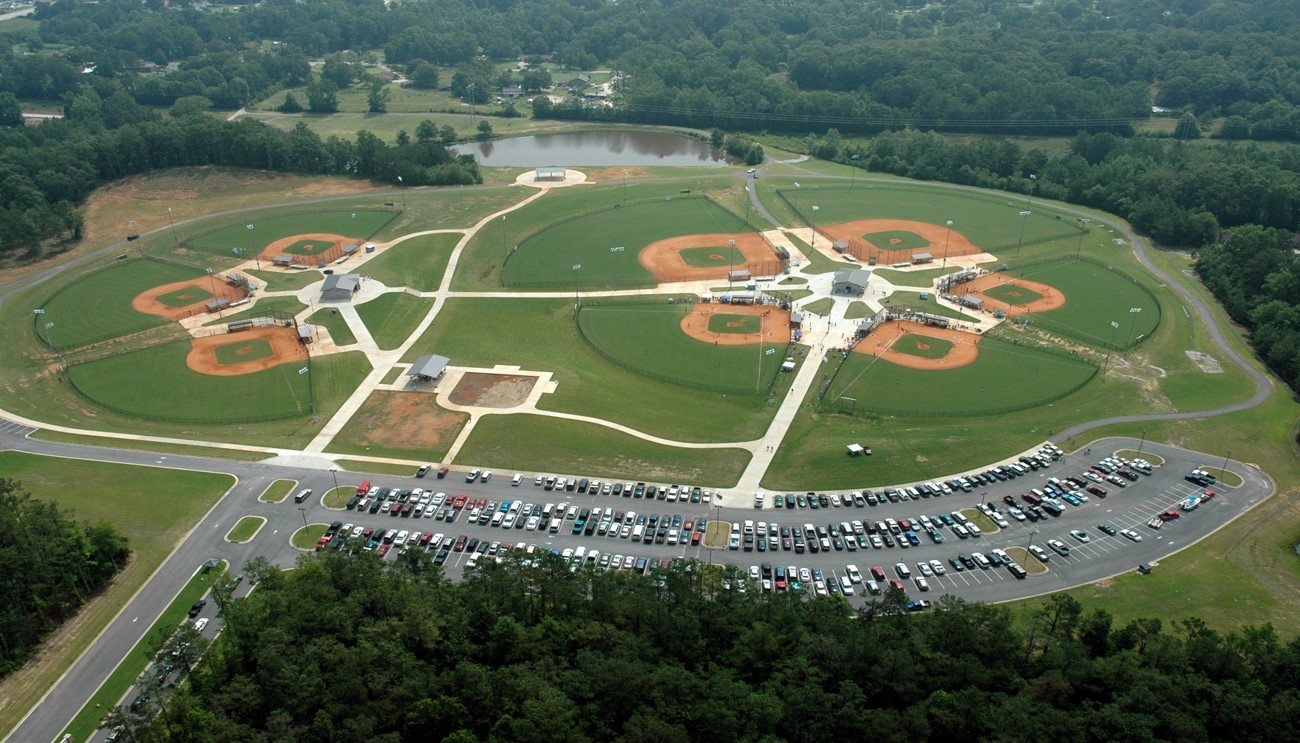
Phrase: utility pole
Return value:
(1132, 313)
(1082, 231)
(947, 233)
(576, 268)
(814, 225)
(303, 511)
(170, 218)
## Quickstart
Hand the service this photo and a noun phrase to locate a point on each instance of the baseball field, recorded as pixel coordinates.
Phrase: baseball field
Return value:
(260, 230)
(97, 306)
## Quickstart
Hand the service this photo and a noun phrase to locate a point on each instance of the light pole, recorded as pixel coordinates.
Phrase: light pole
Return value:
(1033, 182)
(170, 218)
(732, 242)
(401, 186)
(1024, 217)
(1030, 543)
(947, 233)
(335, 475)
(311, 398)
(504, 242)
(814, 225)
(618, 267)
(1224, 468)
(303, 511)
(1082, 231)
(1133, 314)
(470, 91)
(212, 278)
(576, 268)
(1113, 327)
(747, 197)
(1142, 441)
(853, 174)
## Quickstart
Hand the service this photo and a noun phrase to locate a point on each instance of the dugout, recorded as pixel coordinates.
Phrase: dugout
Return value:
(217, 305)
(919, 258)
(972, 301)
(840, 246)
(796, 319)
(738, 275)
(283, 261)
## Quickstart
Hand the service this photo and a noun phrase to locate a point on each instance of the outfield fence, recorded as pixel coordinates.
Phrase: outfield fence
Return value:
(1046, 322)
(208, 251)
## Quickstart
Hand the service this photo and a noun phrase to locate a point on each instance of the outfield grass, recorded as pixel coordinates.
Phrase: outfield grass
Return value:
(277, 491)
(392, 317)
(160, 447)
(91, 716)
(539, 443)
(287, 280)
(377, 468)
(909, 298)
(710, 257)
(1012, 293)
(540, 335)
(336, 324)
(418, 263)
(245, 529)
(152, 507)
(287, 305)
(1094, 297)
(306, 537)
(927, 347)
(547, 257)
(184, 297)
(97, 306)
(156, 384)
(978, 387)
(357, 224)
(244, 350)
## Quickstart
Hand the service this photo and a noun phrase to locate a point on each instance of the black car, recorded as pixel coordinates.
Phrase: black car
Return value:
(1107, 529)
(197, 607)
(1010, 500)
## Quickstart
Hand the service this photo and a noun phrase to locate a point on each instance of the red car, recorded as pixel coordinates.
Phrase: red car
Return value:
(1169, 515)
(320, 543)
(442, 472)
(1207, 496)
(896, 583)
(695, 537)
(877, 572)
(459, 546)
(459, 501)
(383, 549)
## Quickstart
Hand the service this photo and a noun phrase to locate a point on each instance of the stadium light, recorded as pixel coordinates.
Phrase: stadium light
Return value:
(172, 219)
(576, 268)
(618, 267)
(946, 234)
(311, 397)
(814, 225)
(1024, 216)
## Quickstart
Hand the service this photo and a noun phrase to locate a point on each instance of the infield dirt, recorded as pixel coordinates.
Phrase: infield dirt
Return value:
(664, 259)
(1052, 298)
(879, 342)
(775, 325)
(285, 347)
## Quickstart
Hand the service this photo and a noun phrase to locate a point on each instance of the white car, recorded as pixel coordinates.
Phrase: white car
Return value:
(938, 567)
(1132, 535)
(200, 624)
(1082, 536)
(973, 529)
(1039, 553)
(925, 568)
(903, 571)
(852, 572)
(922, 584)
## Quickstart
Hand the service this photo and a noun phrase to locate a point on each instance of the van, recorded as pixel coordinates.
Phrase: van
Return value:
(981, 560)
(302, 495)
(638, 532)
(555, 526)
(518, 478)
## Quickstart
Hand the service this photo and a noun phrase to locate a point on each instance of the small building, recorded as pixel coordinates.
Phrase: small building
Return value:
(218, 304)
(972, 301)
(513, 91)
(850, 282)
(796, 319)
(549, 173)
(282, 260)
(577, 82)
(787, 365)
(351, 249)
(919, 258)
(840, 246)
(304, 334)
(340, 287)
(241, 281)
(428, 368)
(739, 275)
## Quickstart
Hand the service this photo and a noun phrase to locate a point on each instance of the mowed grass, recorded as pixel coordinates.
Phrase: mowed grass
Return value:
(377, 468)
(306, 537)
(97, 306)
(547, 258)
(418, 263)
(277, 491)
(743, 324)
(983, 386)
(336, 324)
(709, 257)
(286, 280)
(245, 529)
(643, 336)
(242, 455)
(358, 224)
(986, 221)
(151, 506)
(240, 351)
(1012, 293)
(1094, 298)
(392, 317)
(896, 240)
(450, 208)
(540, 335)
(156, 384)
(185, 297)
(541, 444)
(925, 346)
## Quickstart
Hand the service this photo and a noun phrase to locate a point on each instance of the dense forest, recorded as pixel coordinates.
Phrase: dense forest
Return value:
(49, 566)
(352, 648)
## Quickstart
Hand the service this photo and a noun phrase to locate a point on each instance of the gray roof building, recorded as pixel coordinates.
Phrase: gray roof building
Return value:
(340, 286)
(428, 367)
(851, 281)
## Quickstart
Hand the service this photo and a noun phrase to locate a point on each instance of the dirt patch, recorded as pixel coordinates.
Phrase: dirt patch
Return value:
(879, 342)
(617, 173)
(284, 348)
(663, 258)
(335, 243)
(716, 257)
(404, 421)
(492, 390)
(147, 302)
(938, 235)
(1052, 298)
(1206, 363)
(776, 324)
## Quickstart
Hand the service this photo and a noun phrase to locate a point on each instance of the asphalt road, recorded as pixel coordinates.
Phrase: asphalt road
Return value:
(1103, 556)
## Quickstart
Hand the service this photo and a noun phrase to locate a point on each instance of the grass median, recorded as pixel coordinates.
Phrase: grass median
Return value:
(277, 491)
(245, 529)
(307, 537)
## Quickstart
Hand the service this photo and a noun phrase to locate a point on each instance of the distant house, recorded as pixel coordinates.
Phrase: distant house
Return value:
(514, 91)
(850, 282)
(340, 287)
(577, 82)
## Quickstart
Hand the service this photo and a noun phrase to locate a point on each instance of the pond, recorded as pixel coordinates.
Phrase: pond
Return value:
(596, 147)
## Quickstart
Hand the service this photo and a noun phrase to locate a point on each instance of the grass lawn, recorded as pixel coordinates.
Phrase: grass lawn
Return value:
(977, 518)
(377, 468)
(245, 529)
(1227, 478)
(239, 351)
(819, 306)
(286, 280)
(432, 208)
(154, 446)
(97, 306)
(336, 324)
(1094, 297)
(153, 507)
(391, 375)
(1027, 561)
(306, 537)
(286, 221)
(708, 257)
(337, 498)
(392, 317)
(540, 335)
(418, 263)
(538, 443)
(277, 491)
(857, 311)
(717, 534)
(923, 278)
(184, 297)
(817, 262)
(124, 676)
(978, 387)
(264, 305)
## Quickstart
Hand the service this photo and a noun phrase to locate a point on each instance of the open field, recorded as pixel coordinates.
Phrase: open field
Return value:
(542, 444)
(97, 306)
(92, 715)
(979, 387)
(171, 391)
(153, 446)
(1094, 297)
(643, 336)
(401, 425)
(152, 507)
(339, 330)
(282, 223)
(540, 335)
(392, 317)
(418, 263)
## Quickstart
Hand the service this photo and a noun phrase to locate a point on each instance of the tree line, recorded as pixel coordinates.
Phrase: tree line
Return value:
(50, 565)
(351, 648)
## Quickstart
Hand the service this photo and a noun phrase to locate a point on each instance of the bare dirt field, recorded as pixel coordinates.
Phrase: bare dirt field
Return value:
(879, 342)
(147, 302)
(492, 390)
(776, 324)
(663, 258)
(1052, 297)
(405, 421)
(284, 348)
(938, 235)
